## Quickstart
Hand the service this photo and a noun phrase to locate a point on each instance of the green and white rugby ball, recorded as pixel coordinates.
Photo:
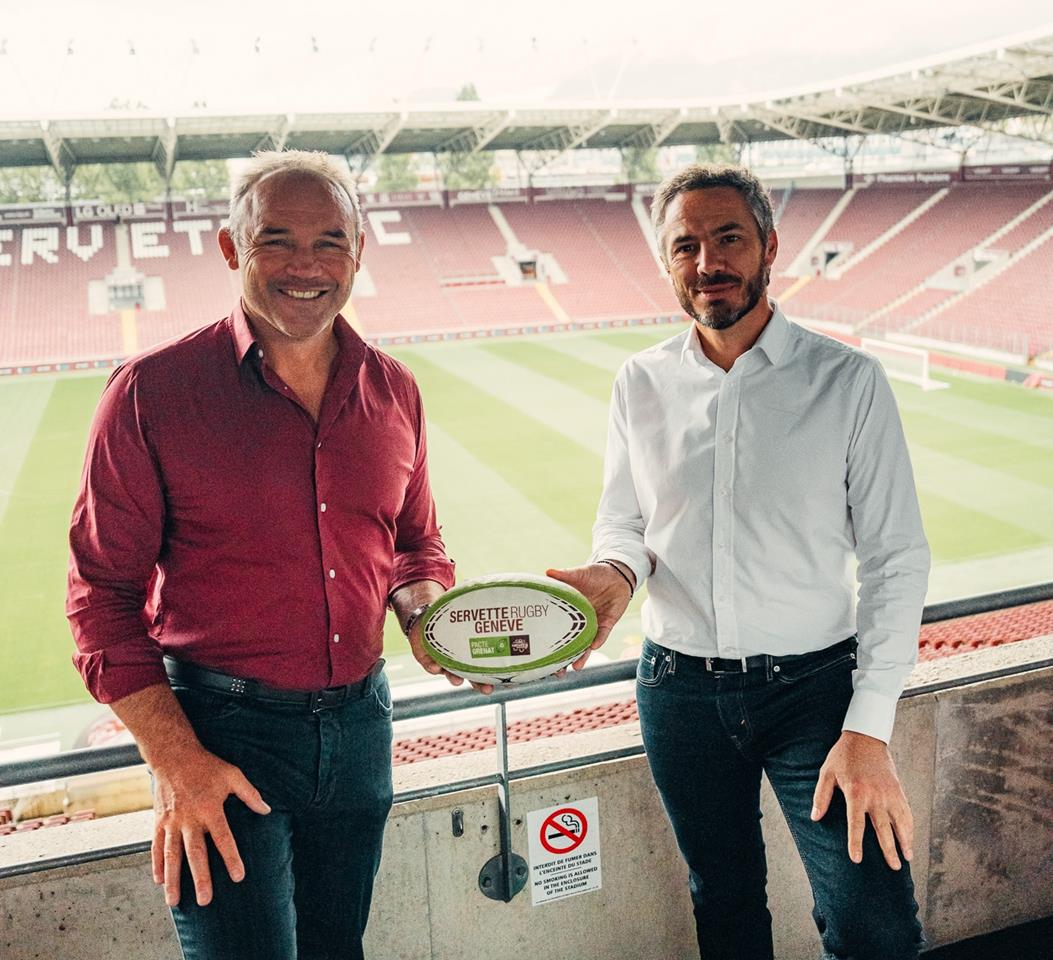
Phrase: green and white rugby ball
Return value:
(508, 628)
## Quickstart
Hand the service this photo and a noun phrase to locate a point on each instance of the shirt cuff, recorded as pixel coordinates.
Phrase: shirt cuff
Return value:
(872, 714)
(441, 571)
(108, 681)
(641, 569)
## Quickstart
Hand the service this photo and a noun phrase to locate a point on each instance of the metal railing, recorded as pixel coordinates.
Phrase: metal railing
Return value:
(502, 876)
(76, 763)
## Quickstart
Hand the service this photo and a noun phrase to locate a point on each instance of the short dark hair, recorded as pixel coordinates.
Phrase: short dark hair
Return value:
(701, 176)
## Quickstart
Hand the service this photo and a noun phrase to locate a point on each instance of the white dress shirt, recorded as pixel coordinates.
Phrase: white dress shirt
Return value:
(759, 496)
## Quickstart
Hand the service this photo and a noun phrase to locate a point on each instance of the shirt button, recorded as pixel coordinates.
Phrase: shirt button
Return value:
(259, 353)
(332, 574)
(319, 444)
(336, 638)
(725, 491)
(728, 437)
(322, 508)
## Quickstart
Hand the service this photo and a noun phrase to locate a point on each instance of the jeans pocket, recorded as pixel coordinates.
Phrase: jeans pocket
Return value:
(380, 697)
(654, 664)
(811, 666)
(206, 706)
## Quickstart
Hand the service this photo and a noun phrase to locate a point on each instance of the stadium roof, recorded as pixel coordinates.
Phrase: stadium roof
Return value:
(1000, 88)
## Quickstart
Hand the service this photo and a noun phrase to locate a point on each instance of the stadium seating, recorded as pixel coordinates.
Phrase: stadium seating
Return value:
(431, 270)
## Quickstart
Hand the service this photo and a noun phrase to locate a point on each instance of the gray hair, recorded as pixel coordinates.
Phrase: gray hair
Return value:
(700, 176)
(310, 163)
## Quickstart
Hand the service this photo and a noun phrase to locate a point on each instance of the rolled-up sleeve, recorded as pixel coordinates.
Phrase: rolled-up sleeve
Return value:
(419, 550)
(618, 533)
(115, 538)
(893, 559)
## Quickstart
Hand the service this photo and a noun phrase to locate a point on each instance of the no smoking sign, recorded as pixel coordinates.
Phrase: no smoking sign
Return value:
(564, 850)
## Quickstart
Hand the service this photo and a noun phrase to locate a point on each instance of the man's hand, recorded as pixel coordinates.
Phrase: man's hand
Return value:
(862, 767)
(606, 590)
(416, 642)
(189, 792)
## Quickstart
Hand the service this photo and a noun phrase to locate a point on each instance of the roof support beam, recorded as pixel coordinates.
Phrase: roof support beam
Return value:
(474, 139)
(62, 159)
(655, 134)
(166, 152)
(552, 145)
(275, 138)
(366, 147)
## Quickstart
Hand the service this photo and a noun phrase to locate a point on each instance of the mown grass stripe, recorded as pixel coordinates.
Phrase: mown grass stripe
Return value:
(21, 407)
(604, 355)
(641, 338)
(555, 406)
(1028, 426)
(554, 473)
(959, 532)
(35, 642)
(575, 372)
(1004, 458)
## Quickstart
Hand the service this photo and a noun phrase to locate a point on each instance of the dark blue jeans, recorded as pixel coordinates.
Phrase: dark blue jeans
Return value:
(310, 862)
(708, 738)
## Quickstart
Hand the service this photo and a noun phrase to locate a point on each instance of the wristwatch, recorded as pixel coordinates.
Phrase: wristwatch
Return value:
(415, 614)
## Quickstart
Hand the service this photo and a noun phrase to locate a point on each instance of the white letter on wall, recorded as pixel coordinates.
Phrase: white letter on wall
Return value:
(5, 237)
(42, 241)
(144, 241)
(94, 244)
(193, 229)
(378, 218)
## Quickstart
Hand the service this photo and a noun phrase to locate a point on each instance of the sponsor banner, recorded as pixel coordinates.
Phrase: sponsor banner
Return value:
(199, 208)
(645, 189)
(1008, 171)
(31, 215)
(581, 193)
(906, 178)
(111, 212)
(403, 198)
(494, 195)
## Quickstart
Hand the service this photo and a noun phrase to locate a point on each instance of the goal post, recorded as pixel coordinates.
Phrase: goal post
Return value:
(903, 363)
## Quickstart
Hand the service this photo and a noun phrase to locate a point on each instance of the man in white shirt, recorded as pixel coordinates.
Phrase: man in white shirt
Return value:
(754, 470)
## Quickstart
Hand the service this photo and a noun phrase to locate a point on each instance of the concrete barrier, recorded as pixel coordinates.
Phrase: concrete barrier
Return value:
(976, 758)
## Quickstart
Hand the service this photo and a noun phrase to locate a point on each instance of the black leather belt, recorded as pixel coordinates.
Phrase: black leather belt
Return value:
(764, 661)
(201, 678)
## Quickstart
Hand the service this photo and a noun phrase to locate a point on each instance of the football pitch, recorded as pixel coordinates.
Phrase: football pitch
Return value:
(517, 429)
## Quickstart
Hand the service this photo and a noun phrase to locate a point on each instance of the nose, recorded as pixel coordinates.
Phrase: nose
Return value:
(709, 260)
(302, 262)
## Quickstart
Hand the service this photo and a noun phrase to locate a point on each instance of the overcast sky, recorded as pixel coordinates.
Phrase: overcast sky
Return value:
(63, 58)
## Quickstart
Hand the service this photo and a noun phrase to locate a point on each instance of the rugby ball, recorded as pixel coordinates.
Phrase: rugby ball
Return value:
(508, 628)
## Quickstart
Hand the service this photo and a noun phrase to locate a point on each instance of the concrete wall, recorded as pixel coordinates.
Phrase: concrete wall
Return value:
(976, 761)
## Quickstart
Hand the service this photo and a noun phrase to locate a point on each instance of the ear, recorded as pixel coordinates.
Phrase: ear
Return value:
(771, 249)
(361, 246)
(226, 245)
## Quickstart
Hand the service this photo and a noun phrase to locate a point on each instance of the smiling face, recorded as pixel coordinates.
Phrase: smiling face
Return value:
(716, 260)
(298, 255)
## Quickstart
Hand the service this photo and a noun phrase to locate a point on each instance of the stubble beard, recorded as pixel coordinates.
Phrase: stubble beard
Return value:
(720, 316)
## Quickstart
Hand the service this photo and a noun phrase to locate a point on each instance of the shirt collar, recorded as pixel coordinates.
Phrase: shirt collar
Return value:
(351, 346)
(775, 336)
(772, 342)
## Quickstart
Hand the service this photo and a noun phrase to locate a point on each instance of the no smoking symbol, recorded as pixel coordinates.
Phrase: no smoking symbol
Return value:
(564, 830)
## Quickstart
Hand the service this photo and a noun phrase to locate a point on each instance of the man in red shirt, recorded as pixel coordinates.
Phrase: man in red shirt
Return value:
(254, 495)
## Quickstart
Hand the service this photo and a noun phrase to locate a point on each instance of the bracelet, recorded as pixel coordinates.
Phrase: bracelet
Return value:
(621, 573)
(415, 614)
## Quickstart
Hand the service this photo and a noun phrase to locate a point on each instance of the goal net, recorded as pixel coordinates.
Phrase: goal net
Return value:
(904, 363)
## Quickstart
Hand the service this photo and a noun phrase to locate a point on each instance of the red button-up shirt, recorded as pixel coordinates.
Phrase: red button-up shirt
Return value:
(218, 523)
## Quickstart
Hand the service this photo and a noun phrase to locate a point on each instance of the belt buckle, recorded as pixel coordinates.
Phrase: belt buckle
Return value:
(327, 699)
(718, 671)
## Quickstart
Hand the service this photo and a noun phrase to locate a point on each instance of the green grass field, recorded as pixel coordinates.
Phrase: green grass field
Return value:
(517, 431)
